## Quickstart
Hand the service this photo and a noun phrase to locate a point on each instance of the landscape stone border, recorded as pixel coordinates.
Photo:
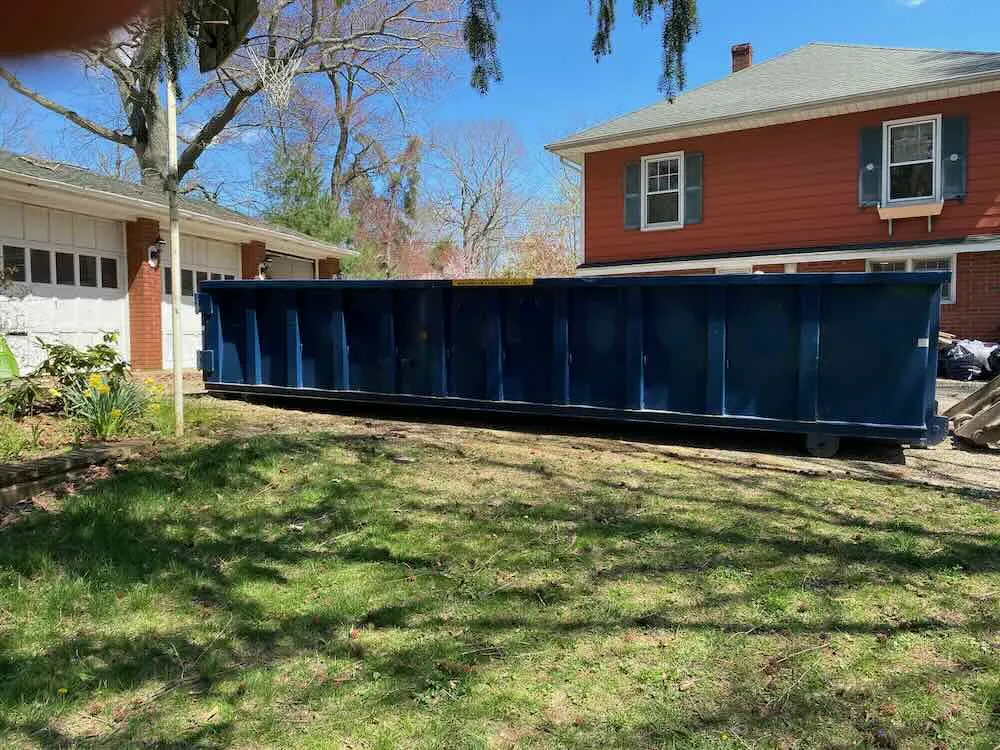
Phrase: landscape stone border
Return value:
(21, 481)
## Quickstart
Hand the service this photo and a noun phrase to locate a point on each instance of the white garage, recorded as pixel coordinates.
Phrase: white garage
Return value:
(83, 252)
(69, 279)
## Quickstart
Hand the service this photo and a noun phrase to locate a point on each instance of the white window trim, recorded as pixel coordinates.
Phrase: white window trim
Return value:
(679, 224)
(908, 260)
(936, 161)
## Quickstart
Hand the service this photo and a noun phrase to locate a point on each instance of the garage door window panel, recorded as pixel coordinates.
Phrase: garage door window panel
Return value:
(41, 267)
(65, 272)
(88, 270)
(109, 273)
(12, 261)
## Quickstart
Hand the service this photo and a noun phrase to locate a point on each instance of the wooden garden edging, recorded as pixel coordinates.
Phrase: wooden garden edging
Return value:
(21, 481)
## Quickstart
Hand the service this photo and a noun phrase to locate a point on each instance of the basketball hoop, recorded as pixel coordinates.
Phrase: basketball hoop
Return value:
(275, 75)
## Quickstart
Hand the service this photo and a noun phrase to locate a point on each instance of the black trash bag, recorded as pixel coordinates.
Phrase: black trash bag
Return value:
(994, 362)
(960, 363)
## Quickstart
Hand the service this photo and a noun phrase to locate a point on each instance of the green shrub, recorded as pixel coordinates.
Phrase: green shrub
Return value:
(68, 368)
(13, 440)
(107, 407)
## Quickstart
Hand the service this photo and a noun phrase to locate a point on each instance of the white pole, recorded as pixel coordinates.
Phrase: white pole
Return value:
(176, 297)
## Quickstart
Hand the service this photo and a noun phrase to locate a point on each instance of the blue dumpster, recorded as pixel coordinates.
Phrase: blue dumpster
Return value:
(824, 355)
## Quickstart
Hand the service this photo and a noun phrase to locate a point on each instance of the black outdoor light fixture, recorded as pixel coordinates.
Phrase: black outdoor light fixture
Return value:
(154, 252)
(264, 268)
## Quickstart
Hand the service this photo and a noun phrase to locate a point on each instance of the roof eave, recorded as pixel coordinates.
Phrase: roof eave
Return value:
(574, 149)
(216, 226)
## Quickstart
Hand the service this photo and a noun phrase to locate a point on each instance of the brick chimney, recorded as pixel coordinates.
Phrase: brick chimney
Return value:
(742, 56)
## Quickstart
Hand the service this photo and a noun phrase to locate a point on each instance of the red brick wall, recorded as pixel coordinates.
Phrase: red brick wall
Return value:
(145, 333)
(976, 311)
(770, 268)
(251, 256)
(791, 186)
(329, 268)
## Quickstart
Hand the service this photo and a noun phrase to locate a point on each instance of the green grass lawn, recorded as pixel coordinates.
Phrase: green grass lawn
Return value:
(467, 589)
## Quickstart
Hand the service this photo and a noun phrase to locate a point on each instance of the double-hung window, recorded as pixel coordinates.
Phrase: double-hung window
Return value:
(663, 191)
(912, 160)
(945, 263)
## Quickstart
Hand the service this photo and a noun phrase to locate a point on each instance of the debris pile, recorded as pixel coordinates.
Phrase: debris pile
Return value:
(966, 359)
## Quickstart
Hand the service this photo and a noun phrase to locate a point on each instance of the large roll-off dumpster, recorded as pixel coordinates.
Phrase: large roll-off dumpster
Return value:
(824, 355)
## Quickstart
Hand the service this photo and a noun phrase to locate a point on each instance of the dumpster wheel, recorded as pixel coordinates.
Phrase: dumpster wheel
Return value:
(822, 446)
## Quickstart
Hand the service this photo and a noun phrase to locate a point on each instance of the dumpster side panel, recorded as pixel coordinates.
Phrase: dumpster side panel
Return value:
(529, 321)
(873, 353)
(597, 332)
(762, 351)
(675, 349)
(419, 333)
(368, 322)
(475, 352)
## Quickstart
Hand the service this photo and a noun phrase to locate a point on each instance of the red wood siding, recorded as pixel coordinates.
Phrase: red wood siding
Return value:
(791, 186)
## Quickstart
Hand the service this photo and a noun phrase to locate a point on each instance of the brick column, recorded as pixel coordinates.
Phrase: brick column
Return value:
(251, 256)
(329, 268)
(145, 332)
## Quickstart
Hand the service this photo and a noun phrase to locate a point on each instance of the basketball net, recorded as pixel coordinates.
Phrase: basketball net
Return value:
(276, 76)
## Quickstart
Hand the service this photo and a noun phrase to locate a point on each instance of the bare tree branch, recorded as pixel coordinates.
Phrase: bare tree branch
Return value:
(112, 135)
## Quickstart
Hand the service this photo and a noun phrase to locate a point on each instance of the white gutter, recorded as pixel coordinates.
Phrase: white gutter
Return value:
(90, 200)
(982, 83)
(804, 256)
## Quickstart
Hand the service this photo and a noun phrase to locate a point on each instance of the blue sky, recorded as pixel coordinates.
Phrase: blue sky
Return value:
(552, 86)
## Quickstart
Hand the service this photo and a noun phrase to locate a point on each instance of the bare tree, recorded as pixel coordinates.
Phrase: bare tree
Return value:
(475, 193)
(285, 29)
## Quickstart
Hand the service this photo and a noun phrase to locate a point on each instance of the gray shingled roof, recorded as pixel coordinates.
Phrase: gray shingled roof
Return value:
(812, 74)
(82, 178)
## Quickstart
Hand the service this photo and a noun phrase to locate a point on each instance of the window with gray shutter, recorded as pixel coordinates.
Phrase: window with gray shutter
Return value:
(694, 183)
(633, 195)
(870, 167)
(954, 147)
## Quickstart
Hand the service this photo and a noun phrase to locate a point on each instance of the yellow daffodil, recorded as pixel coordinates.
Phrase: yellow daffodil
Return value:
(95, 380)
(103, 388)
(55, 392)
(116, 413)
(155, 406)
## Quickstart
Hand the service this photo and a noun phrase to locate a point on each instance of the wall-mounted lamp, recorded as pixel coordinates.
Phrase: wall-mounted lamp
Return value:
(154, 252)
(264, 268)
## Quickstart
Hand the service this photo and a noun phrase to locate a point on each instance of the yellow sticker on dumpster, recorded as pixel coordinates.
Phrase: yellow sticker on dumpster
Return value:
(493, 282)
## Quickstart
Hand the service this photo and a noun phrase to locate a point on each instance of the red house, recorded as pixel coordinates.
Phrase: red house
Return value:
(828, 158)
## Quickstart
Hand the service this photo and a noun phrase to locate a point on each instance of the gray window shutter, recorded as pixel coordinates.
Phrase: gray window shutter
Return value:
(870, 167)
(954, 148)
(633, 195)
(694, 183)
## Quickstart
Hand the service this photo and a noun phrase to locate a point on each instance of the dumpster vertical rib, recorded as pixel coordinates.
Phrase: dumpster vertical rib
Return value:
(561, 357)
(809, 332)
(253, 347)
(338, 343)
(388, 331)
(440, 370)
(930, 381)
(212, 340)
(293, 343)
(634, 356)
(715, 395)
(494, 347)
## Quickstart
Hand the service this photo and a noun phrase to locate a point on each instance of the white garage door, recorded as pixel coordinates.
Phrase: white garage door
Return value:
(286, 267)
(69, 280)
(201, 260)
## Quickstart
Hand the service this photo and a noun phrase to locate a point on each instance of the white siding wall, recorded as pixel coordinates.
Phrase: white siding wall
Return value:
(198, 255)
(70, 311)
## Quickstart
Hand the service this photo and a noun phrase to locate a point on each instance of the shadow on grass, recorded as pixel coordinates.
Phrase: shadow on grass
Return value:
(210, 526)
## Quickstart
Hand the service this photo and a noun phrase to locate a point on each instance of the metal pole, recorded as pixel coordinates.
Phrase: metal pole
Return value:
(176, 297)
